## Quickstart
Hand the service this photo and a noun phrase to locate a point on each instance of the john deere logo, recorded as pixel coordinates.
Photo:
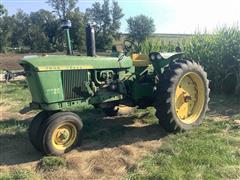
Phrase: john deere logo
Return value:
(55, 68)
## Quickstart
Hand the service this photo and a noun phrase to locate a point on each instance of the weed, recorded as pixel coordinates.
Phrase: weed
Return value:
(19, 174)
(13, 126)
(52, 163)
(147, 115)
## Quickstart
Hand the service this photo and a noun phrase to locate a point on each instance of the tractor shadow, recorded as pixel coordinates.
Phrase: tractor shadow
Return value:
(15, 147)
(224, 107)
(99, 132)
(108, 132)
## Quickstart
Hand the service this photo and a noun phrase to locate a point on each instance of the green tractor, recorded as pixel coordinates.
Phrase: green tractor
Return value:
(177, 88)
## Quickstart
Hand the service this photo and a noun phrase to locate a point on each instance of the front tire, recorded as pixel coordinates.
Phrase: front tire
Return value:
(33, 129)
(60, 133)
(182, 96)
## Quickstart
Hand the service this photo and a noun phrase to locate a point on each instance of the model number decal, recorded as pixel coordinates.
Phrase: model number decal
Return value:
(54, 91)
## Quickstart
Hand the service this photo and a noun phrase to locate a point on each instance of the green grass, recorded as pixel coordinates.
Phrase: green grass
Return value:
(147, 115)
(211, 151)
(19, 174)
(15, 94)
(13, 126)
(52, 163)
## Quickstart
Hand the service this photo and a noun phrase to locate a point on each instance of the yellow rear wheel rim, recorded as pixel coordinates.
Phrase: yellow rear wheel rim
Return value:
(64, 136)
(189, 98)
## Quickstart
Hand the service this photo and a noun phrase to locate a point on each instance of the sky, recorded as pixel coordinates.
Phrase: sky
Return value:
(170, 16)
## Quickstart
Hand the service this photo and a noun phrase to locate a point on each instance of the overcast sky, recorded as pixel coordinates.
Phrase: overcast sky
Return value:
(170, 16)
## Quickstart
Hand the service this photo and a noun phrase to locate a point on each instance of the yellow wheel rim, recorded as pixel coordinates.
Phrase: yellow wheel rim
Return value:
(189, 98)
(64, 136)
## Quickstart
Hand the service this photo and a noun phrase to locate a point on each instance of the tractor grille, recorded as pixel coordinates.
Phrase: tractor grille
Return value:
(73, 83)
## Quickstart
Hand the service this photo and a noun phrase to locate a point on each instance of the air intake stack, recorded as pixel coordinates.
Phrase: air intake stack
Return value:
(90, 40)
(66, 25)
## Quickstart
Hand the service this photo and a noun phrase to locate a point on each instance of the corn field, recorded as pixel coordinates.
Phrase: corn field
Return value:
(218, 52)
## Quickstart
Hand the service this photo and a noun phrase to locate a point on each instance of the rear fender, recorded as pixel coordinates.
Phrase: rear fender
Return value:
(166, 58)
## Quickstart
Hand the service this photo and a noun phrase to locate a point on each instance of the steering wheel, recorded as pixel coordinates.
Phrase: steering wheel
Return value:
(130, 47)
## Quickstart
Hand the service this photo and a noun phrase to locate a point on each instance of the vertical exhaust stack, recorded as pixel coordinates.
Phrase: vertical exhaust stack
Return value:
(66, 25)
(90, 40)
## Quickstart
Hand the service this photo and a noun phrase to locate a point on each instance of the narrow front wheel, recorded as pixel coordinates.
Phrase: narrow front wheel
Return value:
(60, 133)
(34, 128)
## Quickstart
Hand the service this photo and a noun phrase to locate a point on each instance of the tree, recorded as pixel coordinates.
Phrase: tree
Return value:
(2, 10)
(43, 31)
(19, 27)
(62, 7)
(140, 27)
(116, 19)
(107, 22)
(77, 31)
(4, 29)
(40, 31)
(66, 9)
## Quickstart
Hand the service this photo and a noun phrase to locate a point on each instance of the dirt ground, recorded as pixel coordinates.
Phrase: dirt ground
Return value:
(10, 61)
(96, 158)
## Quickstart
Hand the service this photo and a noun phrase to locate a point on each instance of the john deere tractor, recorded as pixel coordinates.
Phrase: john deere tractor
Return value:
(177, 88)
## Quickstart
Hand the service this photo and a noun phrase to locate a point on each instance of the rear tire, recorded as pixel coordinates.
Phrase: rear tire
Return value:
(182, 96)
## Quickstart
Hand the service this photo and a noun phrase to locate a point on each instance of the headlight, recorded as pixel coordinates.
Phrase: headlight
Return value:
(152, 57)
(159, 57)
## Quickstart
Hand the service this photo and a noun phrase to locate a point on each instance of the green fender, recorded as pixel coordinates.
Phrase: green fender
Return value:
(159, 65)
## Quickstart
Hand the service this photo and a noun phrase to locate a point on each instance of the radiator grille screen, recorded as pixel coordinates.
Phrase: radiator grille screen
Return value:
(73, 83)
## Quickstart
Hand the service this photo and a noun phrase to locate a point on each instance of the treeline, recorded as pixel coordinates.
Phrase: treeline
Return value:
(40, 31)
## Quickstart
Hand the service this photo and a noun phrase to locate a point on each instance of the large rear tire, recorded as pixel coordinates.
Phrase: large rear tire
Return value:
(182, 96)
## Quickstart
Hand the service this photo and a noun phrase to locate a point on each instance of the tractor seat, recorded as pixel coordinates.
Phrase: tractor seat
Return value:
(140, 60)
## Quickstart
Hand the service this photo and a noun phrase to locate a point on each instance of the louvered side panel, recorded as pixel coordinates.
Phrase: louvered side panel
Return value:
(73, 82)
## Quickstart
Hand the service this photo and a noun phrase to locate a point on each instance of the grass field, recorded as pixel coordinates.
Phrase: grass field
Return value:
(209, 152)
(124, 147)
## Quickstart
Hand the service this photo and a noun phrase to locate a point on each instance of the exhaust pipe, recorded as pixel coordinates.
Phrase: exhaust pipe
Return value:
(90, 41)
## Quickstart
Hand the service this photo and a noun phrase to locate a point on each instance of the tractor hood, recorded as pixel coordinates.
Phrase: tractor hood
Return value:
(63, 62)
